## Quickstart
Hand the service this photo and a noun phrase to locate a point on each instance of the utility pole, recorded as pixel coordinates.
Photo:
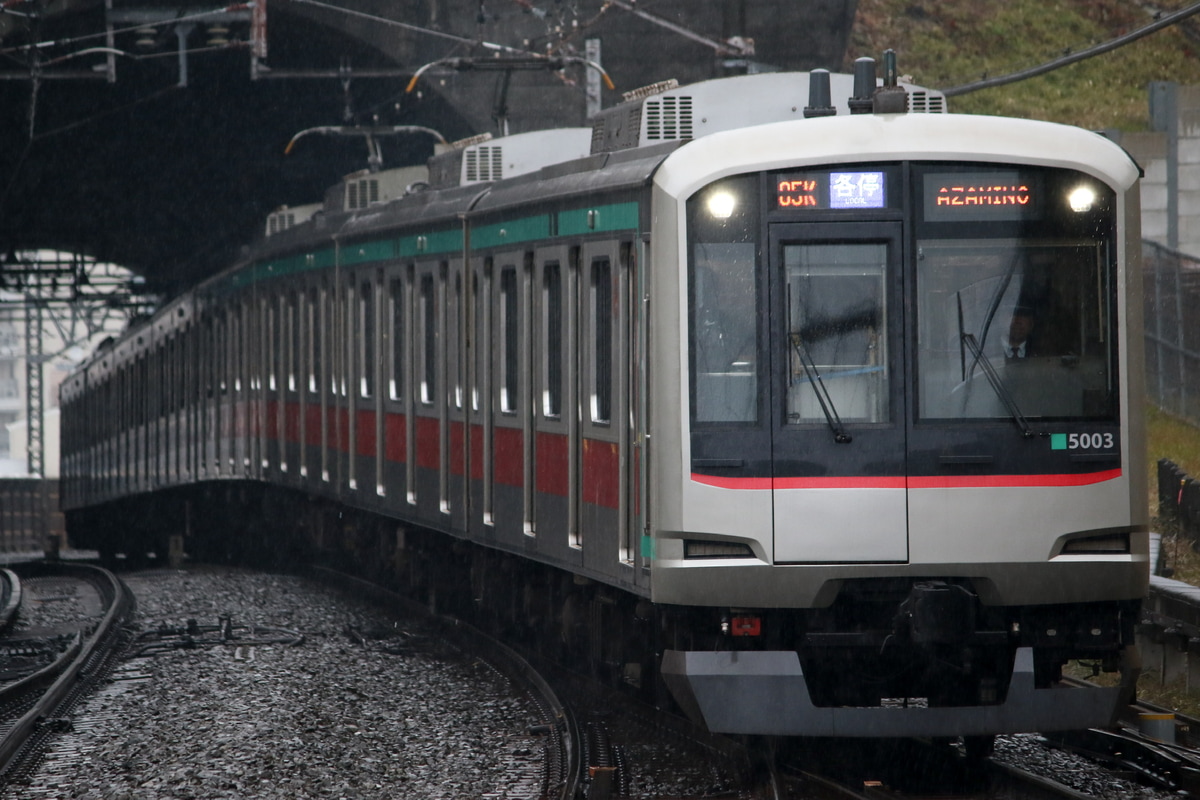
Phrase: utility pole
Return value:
(76, 296)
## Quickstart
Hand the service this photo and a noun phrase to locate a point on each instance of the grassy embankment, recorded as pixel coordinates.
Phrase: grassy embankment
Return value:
(1172, 438)
(949, 43)
(1169, 437)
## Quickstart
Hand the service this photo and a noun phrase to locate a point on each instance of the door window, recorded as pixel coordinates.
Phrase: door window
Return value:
(837, 321)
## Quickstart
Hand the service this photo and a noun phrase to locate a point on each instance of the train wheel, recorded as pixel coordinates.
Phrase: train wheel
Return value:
(979, 748)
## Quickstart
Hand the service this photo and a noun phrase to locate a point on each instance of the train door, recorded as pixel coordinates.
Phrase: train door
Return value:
(482, 410)
(397, 335)
(429, 377)
(454, 433)
(601, 458)
(511, 454)
(836, 393)
(555, 427)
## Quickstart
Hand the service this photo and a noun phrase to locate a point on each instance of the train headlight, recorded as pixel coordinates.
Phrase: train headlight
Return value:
(721, 204)
(1082, 199)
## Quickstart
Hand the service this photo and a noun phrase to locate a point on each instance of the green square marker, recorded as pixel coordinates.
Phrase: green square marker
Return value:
(648, 548)
(1058, 441)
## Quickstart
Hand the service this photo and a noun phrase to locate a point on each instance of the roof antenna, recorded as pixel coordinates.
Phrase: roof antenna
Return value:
(890, 98)
(818, 95)
(862, 102)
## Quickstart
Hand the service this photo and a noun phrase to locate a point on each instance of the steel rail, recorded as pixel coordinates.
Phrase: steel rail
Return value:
(67, 671)
(561, 722)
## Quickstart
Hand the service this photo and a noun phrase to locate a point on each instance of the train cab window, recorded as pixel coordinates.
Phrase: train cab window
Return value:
(1019, 325)
(396, 386)
(510, 364)
(552, 335)
(723, 224)
(601, 336)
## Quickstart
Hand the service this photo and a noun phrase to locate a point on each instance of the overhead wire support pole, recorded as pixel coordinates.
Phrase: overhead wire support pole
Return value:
(1105, 47)
(34, 402)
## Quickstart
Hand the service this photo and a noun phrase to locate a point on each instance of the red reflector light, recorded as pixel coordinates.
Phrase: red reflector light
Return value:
(746, 626)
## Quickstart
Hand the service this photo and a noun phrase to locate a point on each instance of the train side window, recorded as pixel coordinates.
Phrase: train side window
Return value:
(366, 307)
(396, 381)
(234, 342)
(482, 339)
(314, 340)
(454, 343)
(221, 355)
(723, 222)
(510, 338)
(601, 339)
(552, 335)
(275, 336)
(291, 322)
(428, 323)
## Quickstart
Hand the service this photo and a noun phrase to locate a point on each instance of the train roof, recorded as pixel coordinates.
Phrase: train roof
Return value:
(896, 137)
(668, 112)
(652, 120)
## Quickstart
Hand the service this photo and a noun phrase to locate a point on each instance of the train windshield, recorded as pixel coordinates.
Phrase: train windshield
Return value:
(1013, 328)
(950, 292)
(1014, 295)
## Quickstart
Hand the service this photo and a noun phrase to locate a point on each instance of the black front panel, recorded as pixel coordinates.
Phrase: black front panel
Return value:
(925, 319)
(1014, 347)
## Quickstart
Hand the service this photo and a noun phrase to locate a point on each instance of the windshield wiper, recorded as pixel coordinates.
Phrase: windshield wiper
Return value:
(814, 378)
(997, 384)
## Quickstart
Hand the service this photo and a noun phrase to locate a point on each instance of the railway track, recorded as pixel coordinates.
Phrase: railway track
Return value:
(561, 770)
(916, 770)
(52, 666)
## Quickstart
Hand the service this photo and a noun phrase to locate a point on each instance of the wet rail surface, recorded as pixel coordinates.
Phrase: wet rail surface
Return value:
(243, 684)
(62, 630)
(198, 702)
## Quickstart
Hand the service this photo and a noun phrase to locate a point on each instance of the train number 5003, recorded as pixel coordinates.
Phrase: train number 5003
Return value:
(1089, 441)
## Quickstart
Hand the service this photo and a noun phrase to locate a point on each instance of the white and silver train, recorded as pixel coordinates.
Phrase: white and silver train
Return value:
(828, 422)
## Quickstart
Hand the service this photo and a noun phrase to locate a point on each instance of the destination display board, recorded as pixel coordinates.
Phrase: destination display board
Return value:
(841, 190)
(949, 197)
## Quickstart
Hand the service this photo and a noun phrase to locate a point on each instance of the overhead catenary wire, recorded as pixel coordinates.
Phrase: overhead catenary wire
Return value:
(503, 48)
(721, 48)
(199, 15)
(1072, 58)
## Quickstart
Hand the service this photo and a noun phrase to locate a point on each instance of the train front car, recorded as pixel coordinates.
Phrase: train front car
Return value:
(898, 451)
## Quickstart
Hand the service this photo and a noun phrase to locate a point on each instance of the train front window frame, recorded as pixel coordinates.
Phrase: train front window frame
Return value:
(837, 324)
(1015, 295)
(723, 302)
(1048, 234)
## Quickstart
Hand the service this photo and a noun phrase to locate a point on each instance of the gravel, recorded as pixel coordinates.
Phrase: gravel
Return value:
(1028, 752)
(387, 713)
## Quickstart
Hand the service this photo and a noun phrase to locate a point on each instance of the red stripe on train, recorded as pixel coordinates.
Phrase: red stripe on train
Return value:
(553, 467)
(914, 482)
(601, 473)
(429, 449)
(364, 432)
(395, 437)
(458, 455)
(508, 456)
